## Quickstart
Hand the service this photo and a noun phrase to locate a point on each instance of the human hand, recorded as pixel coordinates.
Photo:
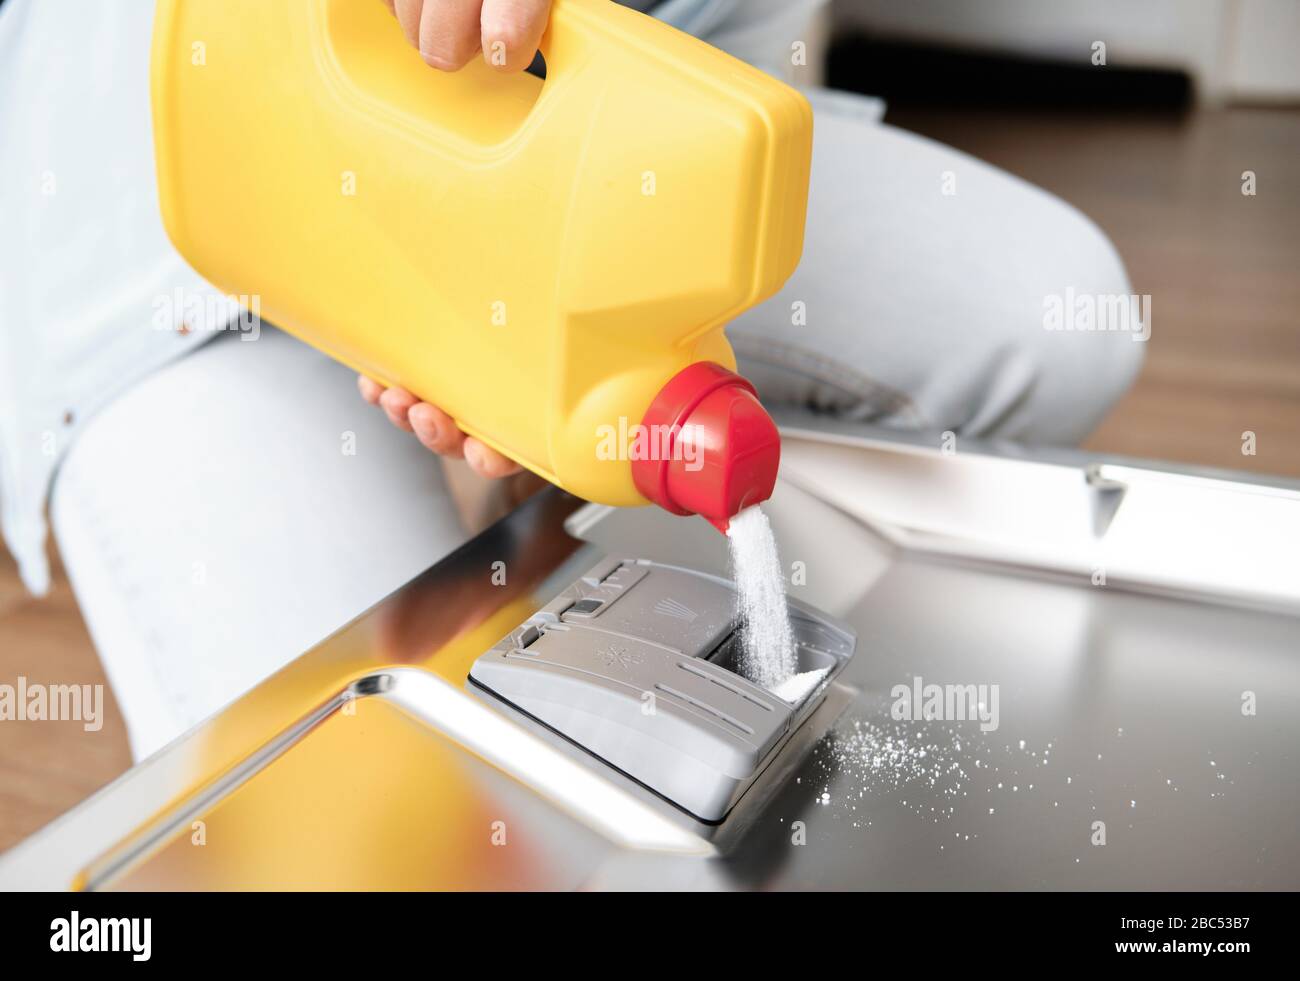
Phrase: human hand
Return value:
(436, 430)
(448, 33)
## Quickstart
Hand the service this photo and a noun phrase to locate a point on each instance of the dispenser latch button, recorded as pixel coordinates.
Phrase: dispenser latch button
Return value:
(583, 609)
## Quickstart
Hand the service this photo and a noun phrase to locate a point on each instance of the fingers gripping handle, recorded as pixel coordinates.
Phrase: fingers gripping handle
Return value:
(367, 54)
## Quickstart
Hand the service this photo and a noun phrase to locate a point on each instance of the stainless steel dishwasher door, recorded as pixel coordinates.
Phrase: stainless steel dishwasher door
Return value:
(1146, 737)
(1136, 729)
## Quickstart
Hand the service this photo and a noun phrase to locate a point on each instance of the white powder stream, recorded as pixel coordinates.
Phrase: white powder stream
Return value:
(768, 641)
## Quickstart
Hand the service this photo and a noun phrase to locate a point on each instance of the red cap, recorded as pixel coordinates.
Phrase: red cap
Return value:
(723, 448)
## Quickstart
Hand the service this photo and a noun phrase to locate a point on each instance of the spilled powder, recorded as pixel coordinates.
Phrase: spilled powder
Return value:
(969, 782)
(888, 756)
(768, 657)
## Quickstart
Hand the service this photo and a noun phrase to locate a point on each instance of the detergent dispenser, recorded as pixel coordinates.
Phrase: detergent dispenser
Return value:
(638, 664)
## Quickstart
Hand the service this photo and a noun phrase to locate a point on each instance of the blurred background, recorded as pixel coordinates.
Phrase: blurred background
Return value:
(1144, 114)
(1152, 146)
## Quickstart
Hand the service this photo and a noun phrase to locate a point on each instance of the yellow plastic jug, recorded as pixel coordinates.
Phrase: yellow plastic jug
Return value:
(550, 261)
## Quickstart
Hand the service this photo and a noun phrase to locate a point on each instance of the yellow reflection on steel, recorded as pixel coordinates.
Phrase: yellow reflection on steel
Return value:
(371, 799)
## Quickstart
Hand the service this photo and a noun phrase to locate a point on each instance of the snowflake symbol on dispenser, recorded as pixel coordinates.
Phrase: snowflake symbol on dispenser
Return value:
(621, 656)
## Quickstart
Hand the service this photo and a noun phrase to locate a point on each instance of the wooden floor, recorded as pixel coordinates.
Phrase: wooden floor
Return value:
(1223, 271)
(47, 767)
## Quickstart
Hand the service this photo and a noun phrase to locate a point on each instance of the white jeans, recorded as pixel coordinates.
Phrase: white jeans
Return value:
(214, 526)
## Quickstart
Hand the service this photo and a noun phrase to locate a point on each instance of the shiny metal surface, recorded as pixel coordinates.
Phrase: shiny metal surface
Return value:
(1124, 703)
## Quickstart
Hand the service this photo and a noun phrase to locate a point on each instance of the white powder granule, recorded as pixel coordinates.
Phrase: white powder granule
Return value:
(766, 637)
(796, 687)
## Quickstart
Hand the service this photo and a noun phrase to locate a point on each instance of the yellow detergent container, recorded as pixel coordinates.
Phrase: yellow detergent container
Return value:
(551, 262)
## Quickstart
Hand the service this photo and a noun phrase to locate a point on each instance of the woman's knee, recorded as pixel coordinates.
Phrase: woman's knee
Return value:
(925, 294)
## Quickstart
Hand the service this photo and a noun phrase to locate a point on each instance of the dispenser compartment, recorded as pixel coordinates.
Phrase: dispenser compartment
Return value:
(637, 663)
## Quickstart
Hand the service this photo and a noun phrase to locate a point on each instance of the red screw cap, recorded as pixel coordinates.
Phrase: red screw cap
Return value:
(717, 449)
